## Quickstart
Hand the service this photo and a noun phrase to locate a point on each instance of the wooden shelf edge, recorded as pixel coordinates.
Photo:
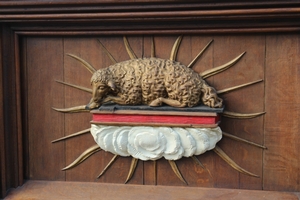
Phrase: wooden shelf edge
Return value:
(81, 190)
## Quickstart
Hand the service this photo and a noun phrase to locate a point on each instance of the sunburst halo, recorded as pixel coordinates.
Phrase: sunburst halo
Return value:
(208, 73)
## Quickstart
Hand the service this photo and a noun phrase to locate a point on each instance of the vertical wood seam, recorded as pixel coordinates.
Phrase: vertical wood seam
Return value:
(213, 64)
(298, 110)
(26, 83)
(64, 118)
(19, 109)
(264, 106)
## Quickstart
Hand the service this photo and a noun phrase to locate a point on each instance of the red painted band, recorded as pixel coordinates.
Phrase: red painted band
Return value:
(155, 119)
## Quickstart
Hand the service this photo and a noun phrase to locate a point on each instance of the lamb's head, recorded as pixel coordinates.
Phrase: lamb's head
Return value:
(102, 83)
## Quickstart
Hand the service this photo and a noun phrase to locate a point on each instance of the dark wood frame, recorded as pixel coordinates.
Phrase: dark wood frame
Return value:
(74, 18)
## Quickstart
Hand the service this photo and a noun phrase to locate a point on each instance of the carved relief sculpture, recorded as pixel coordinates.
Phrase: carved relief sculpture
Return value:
(142, 84)
(151, 81)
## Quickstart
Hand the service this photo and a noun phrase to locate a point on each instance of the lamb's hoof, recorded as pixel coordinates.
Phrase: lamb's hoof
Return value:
(156, 102)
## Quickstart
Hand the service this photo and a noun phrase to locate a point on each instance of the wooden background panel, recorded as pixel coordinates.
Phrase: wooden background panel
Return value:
(197, 43)
(245, 100)
(281, 161)
(44, 124)
(46, 61)
(199, 176)
(163, 46)
(76, 73)
(116, 47)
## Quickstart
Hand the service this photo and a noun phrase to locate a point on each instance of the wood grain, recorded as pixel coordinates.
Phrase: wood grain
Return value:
(216, 173)
(249, 99)
(76, 73)
(195, 174)
(281, 161)
(42, 28)
(44, 124)
(76, 190)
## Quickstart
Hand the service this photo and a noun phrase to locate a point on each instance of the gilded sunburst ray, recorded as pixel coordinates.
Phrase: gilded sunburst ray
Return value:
(73, 135)
(87, 65)
(216, 70)
(129, 49)
(85, 155)
(75, 86)
(133, 165)
(108, 165)
(199, 55)
(113, 60)
(175, 48)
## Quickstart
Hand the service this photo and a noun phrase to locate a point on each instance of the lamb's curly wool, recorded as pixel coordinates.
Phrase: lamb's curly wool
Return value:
(141, 81)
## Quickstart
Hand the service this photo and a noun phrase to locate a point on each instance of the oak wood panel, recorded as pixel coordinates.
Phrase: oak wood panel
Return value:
(163, 46)
(203, 177)
(217, 173)
(245, 100)
(150, 172)
(248, 17)
(76, 73)
(281, 161)
(44, 124)
(196, 44)
(198, 176)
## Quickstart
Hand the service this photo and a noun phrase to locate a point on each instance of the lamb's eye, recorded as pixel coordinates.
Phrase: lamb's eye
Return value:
(101, 88)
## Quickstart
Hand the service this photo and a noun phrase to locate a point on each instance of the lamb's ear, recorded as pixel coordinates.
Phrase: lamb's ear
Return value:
(111, 84)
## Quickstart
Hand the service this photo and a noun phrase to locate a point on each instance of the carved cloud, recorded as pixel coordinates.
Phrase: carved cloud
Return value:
(152, 143)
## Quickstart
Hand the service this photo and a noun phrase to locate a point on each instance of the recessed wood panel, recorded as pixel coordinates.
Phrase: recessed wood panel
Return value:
(47, 61)
(41, 28)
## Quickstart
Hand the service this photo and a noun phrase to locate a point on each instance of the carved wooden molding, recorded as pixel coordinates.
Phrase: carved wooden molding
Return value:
(142, 17)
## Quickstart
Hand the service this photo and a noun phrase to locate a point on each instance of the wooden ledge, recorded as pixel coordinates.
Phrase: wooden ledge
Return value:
(79, 190)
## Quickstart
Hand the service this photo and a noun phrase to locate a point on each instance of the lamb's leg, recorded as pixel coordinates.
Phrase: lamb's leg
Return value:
(115, 99)
(170, 102)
